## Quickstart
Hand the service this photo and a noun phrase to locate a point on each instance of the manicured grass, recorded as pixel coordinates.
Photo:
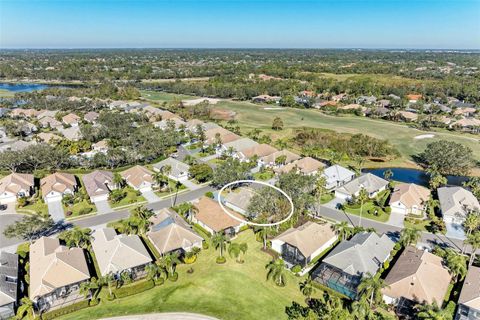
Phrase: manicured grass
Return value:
(327, 197)
(36, 207)
(416, 224)
(264, 176)
(173, 188)
(164, 96)
(6, 93)
(252, 116)
(78, 207)
(228, 291)
(382, 216)
(131, 198)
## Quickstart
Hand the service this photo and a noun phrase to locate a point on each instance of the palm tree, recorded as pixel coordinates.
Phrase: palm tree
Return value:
(276, 272)
(432, 204)
(409, 236)
(456, 263)
(432, 312)
(473, 240)
(153, 271)
(169, 261)
(371, 287)
(219, 241)
(307, 288)
(388, 174)
(117, 180)
(362, 197)
(107, 280)
(77, 237)
(262, 233)
(125, 277)
(90, 288)
(343, 229)
(320, 188)
(471, 223)
(235, 250)
(26, 308)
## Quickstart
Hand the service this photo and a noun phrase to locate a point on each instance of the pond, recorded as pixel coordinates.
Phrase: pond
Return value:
(22, 87)
(419, 177)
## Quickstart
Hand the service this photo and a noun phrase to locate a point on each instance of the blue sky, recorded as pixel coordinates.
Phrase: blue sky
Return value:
(234, 24)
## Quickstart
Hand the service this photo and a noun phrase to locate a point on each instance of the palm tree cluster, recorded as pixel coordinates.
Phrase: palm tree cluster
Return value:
(137, 223)
(276, 272)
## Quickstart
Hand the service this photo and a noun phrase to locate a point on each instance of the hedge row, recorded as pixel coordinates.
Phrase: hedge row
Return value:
(65, 310)
(133, 288)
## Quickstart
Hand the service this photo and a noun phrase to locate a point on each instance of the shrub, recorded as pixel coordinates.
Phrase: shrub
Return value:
(65, 310)
(133, 288)
(159, 281)
(117, 195)
(209, 194)
(22, 202)
(94, 302)
(397, 246)
(388, 210)
(68, 213)
(243, 228)
(205, 245)
(173, 277)
(189, 258)
(85, 210)
(221, 260)
(296, 269)
(23, 249)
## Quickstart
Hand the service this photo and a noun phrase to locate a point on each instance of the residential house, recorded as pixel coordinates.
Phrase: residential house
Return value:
(118, 253)
(259, 151)
(56, 185)
(307, 166)
(418, 276)
(383, 103)
(16, 185)
(345, 266)
(339, 97)
(273, 160)
(71, 119)
(139, 178)
(27, 128)
(8, 285)
(100, 146)
(366, 100)
(178, 170)
(465, 111)
(224, 135)
(48, 137)
(413, 98)
(177, 123)
(394, 97)
(409, 198)
(192, 125)
(265, 98)
(170, 233)
(407, 116)
(91, 116)
(212, 218)
(239, 199)
(471, 125)
(455, 204)
(46, 113)
(236, 146)
(16, 145)
(469, 300)
(300, 246)
(49, 122)
(56, 273)
(98, 184)
(23, 113)
(71, 133)
(337, 176)
(370, 182)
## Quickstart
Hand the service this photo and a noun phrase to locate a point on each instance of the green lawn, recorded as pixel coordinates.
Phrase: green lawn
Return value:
(131, 198)
(172, 184)
(164, 96)
(252, 116)
(382, 216)
(264, 176)
(327, 197)
(36, 207)
(228, 291)
(416, 224)
(6, 93)
(78, 207)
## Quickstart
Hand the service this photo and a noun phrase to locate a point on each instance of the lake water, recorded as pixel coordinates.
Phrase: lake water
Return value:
(22, 87)
(414, 176)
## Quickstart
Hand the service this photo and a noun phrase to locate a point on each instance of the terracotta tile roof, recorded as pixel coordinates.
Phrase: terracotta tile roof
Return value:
(54, 266)
(410, 194)
(305, 165)
(16, 182)
(211, 214)
(225, 135)
(58, 182)
(96, 183)
(261, 150)
(418, 275)
(309, 237)
(173, 237)
(71, 118)
(290, 156)
(137, 175)
(470, 294)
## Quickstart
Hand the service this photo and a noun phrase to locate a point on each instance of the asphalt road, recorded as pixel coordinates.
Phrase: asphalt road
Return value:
(100, 219)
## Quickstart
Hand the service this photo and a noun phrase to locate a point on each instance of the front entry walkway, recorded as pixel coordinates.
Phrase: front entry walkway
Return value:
(103, 206)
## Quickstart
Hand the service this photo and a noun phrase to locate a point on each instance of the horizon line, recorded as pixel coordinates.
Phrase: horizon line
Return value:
(238, 48)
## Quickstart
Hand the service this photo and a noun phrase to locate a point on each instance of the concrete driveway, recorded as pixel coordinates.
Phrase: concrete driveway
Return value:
(55, 209)
(396, 219)
(103, 206)
(190, 185)
(150, 196)
(455, 230)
